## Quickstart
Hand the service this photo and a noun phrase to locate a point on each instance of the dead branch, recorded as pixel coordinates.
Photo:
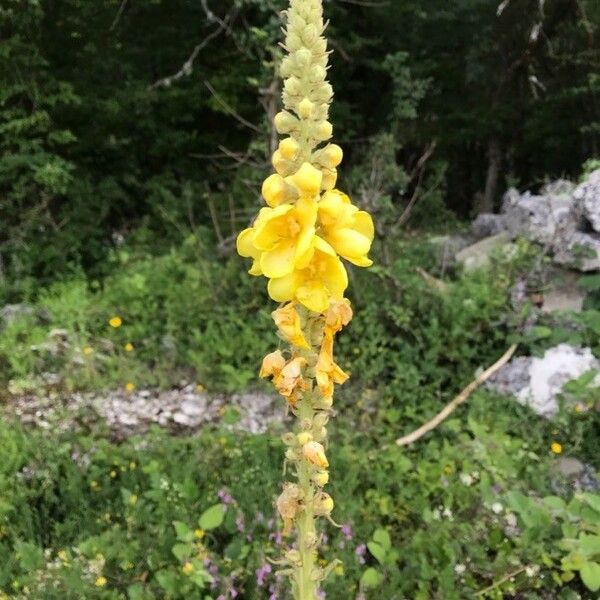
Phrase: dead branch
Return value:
(462, 397)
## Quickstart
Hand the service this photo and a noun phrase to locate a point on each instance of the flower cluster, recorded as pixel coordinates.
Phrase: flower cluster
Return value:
(298, 241)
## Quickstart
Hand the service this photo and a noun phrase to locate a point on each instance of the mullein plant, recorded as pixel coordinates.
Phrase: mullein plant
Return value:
(297, 241)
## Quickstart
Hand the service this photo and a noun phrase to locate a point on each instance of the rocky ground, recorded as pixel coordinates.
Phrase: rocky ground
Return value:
(184, 410)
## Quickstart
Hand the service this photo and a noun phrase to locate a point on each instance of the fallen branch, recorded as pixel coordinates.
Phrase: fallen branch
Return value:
(462, 397)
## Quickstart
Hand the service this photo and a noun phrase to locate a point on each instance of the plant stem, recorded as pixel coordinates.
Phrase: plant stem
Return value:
(307, 536)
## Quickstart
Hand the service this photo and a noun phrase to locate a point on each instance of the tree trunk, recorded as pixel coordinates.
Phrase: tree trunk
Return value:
(493, 174)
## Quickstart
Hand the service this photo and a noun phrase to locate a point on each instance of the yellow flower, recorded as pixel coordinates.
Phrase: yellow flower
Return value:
(276, 191)
(133, 500)
(287, 376)
(321, 478)
(132, 466)
(113, 474)
(188, 568)
(288, 505)
(272, 364)
(348, 230)
(323, 504)
(200, 387)
(339, 570)
(101, 582)
(556, 447)
(322, 279)
(115, 322)
(338, 315)
(130, 387)
(288, 322)
(87, 350)
(284, 237)
(314, 453)
(304, 437)
(128, 347)
(307, 180)
(328, 372)
(199, 533)
(62, 555)
(94, 485)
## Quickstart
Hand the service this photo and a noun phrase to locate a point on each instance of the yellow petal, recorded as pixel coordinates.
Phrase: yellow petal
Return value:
(244, 244)
(363, 223)
(349, 243)
(280, 260)
(335, 278)
(283, 289)
(308, 180)
(314, 296)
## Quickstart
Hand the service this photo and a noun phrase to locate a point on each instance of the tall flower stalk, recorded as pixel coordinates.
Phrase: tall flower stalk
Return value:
(297, 241)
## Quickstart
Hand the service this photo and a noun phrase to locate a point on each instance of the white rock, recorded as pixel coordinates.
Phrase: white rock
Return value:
(587, 195)
(578, 250)
(479, 254)
(537, 382)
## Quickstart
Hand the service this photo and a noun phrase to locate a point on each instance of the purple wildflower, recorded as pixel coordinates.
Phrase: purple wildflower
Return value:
(262, 574)
(225, 497)
(347, 531)
(360, 552)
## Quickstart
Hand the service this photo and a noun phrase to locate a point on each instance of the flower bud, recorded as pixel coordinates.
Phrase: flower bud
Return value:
(308, 180)
(293, 86)
(285, 122)
(317, 73)
(293, 557)
(289, 148)
(314, 453)
(310, 34)
(305, 109)
(275, 190)
(303, 57)
(321, 478)
(287, 67)
(320, 420)
(323, 130)
(327, 401)
(304, 438)
(329, 179)
(293, 42)
(280, 164)
(323, 504)
(332, 156)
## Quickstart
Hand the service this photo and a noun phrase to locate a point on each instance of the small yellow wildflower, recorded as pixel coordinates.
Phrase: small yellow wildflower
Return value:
(113, 474)
(556, 448)
(130, 387)
(115, 322)
(132, 466)
(199, 533)
(129, 347)
(101, 581)
(87, 350)
(94, 485)
(314, 453)
(200, 387)
(339, 570)
(133, 500)
(62, 555)
(188, 568)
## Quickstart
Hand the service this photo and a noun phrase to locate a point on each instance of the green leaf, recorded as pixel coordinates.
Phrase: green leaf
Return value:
(382, 537)
(184, 533)
(169, 581)
(182, 551)
(212, 517)
(555, 503)
(377, 551)
(371, 578)
(590, 544)
(590, 575)
(592, 500)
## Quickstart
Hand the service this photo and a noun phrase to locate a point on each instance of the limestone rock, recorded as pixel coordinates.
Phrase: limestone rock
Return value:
(538, 382)
(587, 195)
(578, 250)
(542, 219)
(488, 224)
(478, 255)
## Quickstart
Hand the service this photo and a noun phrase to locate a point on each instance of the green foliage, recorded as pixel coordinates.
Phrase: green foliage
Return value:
(449, 517)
